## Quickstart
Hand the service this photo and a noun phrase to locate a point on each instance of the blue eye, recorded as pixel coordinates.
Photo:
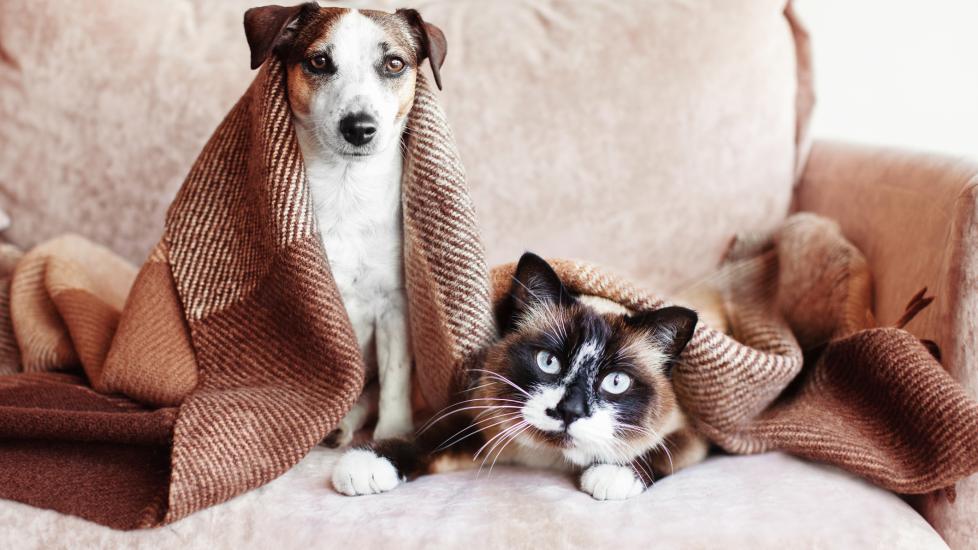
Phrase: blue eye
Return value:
(616, 383)
(548, 362)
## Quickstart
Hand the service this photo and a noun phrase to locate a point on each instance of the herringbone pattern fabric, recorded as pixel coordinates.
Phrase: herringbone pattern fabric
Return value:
(448, 288)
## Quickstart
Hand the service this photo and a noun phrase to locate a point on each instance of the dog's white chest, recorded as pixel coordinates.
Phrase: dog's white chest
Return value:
(358, 209)
(359, 217)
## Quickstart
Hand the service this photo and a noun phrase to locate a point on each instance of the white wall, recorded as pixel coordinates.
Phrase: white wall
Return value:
(896, 72)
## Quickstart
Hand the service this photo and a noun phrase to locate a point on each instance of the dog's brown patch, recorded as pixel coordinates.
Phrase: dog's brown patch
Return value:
(314, 27)
(405, 41)
(313, 34)
(405, 94)
(300, 90)
(406, 44)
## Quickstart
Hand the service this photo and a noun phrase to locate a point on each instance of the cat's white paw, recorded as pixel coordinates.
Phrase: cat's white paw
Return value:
(611, 482)
(362, 472)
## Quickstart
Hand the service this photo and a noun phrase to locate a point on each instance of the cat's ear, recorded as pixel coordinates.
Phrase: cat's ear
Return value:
(670, 328)
(535, 283)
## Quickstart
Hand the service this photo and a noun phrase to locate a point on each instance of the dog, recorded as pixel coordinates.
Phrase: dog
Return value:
(351, 76)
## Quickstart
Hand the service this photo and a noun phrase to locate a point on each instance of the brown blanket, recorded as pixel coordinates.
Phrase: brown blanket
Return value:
(232, 336)
(134, 399)
(806, 370)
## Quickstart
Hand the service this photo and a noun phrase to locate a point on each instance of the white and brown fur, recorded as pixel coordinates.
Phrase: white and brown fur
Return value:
(351, 80)
(573, 418)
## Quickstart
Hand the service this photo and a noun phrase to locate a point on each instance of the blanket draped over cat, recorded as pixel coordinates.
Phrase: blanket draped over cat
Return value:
(134, 399)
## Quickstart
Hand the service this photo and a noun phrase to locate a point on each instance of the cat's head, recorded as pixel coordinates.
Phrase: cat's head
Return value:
(582, 375)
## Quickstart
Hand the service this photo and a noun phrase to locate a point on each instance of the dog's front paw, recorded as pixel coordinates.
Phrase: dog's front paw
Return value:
(611, 482)
(363, 472)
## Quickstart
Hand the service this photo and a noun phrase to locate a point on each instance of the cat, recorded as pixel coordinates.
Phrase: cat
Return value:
(574, 383)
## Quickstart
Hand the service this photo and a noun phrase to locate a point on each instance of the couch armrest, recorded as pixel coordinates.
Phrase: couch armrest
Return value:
(915, 216)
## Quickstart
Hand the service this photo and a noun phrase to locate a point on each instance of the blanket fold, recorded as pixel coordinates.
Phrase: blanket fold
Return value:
(134, 398)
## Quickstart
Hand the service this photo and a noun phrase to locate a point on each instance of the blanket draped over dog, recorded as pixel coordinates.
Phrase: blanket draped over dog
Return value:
(233, 344)
(133, 399)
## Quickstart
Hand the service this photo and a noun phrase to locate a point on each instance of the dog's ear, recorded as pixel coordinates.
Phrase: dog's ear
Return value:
(432, 42)
(268, 27)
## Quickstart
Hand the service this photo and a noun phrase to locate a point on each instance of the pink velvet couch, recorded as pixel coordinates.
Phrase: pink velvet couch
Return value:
(636, 133)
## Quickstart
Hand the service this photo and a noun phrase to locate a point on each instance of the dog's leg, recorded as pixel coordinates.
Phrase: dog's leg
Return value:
(343, 434)
(394, 370)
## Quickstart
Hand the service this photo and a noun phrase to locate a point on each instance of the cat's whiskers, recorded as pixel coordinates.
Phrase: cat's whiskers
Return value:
(661, 442)
(639, 462)
(475, 455)
(503, 448)
(505, 380)
(619, 452)
(559, 334)
(480, 386)
(431, 423)
(496, 439)
(610, 451)
(647, 468)
(494, 399)
(475, 428)
(636, 463)
(435, 418)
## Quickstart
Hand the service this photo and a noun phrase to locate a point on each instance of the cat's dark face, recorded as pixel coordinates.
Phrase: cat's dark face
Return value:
(581, 375)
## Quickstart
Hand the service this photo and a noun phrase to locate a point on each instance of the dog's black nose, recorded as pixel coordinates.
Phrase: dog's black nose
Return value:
(571, 407)
(358, 128)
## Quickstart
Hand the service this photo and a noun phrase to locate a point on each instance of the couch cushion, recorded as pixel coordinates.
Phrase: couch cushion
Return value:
(634, 133)
(759, 502)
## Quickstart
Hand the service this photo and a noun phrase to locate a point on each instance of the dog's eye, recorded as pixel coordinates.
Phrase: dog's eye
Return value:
(548, 362)
(394, 65)
(321, 64)
(616, 383)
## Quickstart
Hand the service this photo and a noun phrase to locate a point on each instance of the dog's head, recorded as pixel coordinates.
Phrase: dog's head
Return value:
(351, 73)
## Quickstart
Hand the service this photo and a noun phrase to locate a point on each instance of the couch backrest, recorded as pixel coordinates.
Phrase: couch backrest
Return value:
(636, 133)
(642, 134)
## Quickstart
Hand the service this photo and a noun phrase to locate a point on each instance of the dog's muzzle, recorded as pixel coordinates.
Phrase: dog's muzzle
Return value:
(358, 128)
